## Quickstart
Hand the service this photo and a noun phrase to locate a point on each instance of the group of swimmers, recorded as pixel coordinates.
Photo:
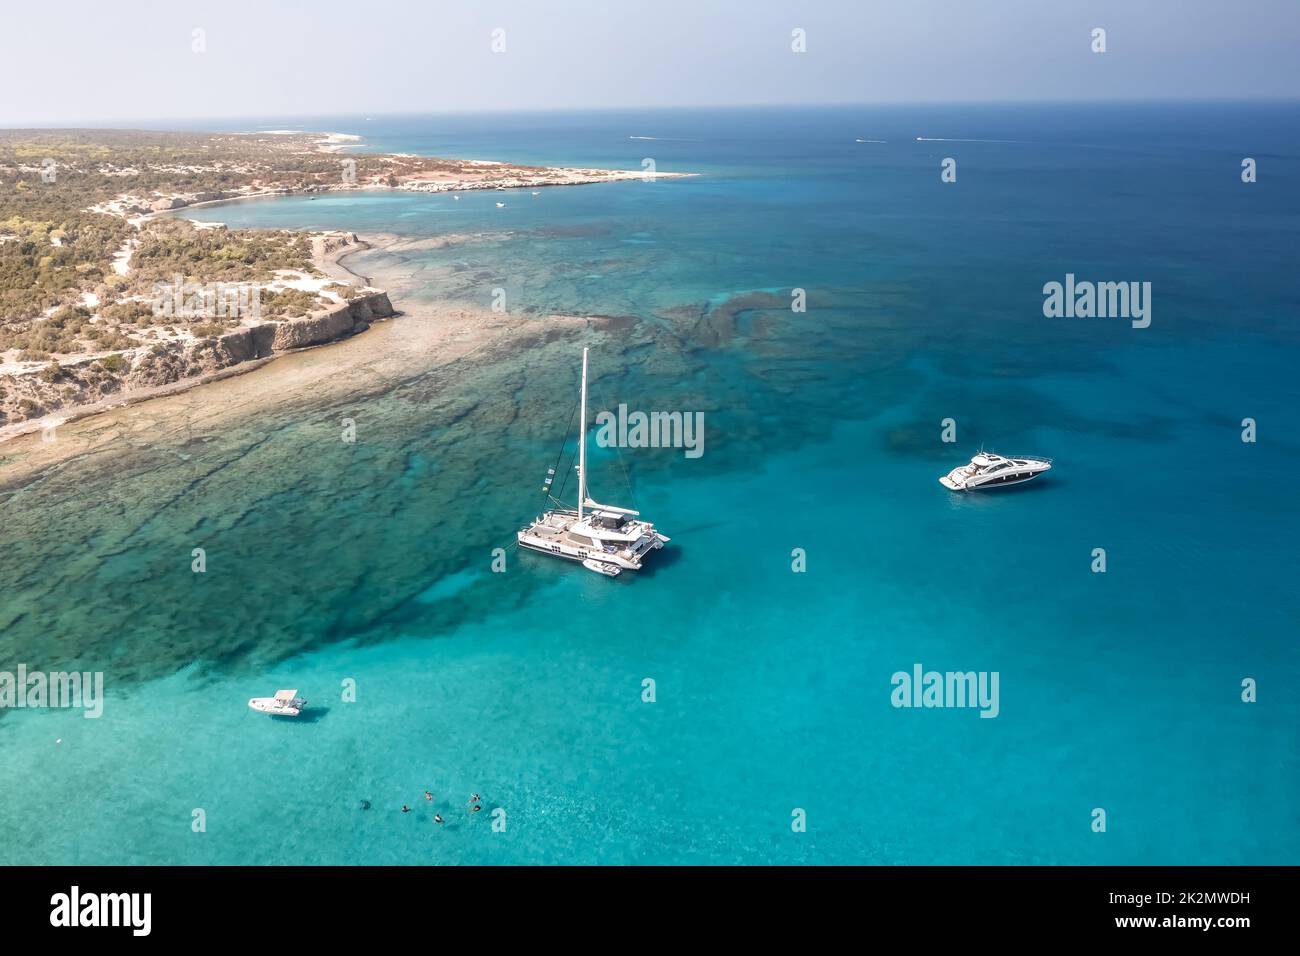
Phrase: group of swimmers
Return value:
(475, 805)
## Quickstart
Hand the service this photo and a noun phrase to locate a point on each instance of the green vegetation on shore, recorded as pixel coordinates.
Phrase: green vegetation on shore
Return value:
(92, 268)
(171, 247)
(44, 261)
(53, 247)
(83, 257)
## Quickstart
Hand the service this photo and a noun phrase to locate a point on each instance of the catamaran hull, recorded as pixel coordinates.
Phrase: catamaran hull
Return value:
(590, 554)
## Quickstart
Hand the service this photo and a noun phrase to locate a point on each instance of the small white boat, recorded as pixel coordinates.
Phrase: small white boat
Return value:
(537, 192)
(602, 567)
(501, 205)
(285, 703)
(987, 470)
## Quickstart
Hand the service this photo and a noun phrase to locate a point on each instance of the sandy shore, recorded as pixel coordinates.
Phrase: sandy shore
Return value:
(330, 263)
(489, 176)
(423, 338)
(459, 176)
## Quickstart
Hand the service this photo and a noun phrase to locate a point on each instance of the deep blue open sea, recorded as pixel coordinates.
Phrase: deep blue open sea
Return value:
(1119, 691)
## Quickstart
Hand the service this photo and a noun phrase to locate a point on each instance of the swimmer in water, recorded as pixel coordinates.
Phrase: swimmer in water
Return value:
(475, 809)
(473, 798)
(437, 818)
(405, 808)
(428, 796)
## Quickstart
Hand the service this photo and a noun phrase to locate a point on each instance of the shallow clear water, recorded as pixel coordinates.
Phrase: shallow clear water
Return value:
(372, 561)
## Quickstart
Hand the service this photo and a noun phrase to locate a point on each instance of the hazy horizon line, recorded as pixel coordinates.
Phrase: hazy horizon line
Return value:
(116, 122)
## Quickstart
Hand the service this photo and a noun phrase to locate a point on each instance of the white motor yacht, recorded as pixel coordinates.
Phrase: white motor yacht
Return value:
(285, 703)
(607, 539)
(987, 470)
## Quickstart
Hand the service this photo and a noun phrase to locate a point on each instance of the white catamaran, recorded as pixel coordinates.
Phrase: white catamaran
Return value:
(605, 538)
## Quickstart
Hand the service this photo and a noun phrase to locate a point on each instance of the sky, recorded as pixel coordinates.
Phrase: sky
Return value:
(99, 61)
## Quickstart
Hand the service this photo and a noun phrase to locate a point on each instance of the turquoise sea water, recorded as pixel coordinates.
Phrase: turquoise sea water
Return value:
(823, 432)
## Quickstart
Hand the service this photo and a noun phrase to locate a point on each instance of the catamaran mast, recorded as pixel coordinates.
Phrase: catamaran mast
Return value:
(582, 440)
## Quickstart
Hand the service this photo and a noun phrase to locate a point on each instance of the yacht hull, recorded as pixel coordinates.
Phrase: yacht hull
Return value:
(988, 471)
(269, 705)
(1009, 482)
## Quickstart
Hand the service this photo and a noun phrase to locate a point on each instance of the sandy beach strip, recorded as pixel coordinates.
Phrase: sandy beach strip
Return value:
(428, 336)
(330, 263)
